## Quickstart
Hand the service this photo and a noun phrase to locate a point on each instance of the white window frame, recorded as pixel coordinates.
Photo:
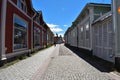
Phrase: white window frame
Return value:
(35, 28)
(81, 33)
(37, 20)
(87, 28)
(24, 5)
(14, 50)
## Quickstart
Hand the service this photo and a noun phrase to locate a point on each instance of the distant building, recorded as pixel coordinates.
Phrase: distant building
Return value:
(58, 39)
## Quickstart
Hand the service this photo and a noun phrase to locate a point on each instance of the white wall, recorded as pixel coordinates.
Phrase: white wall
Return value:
(103, 40)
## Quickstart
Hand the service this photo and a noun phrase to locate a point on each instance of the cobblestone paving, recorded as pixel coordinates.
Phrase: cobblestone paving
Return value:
(71, 67)
(25, 69)
(64, 51)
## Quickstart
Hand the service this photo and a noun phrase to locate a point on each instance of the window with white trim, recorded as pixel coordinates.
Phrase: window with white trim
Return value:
(37, 20)
(36, 36)
(87, 31)
(22, 5)
(20, 33)
(81, 33)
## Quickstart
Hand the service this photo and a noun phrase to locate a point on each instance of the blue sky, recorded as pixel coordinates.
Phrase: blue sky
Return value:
(59, 14)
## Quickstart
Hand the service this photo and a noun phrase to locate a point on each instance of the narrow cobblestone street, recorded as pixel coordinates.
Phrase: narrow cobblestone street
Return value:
(68, 66)
(54, 63)
(59, 40)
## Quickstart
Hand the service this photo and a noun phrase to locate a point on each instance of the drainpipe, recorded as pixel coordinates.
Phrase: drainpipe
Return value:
(32, 32)
(3, 25)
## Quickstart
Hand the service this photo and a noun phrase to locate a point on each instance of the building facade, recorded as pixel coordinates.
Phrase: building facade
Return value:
(104, 37)
(16, 16)
(18, 26)
(96, 32)
(50, 37)
(93, 30)
(22, 29)
(80, 33)
(37, 34)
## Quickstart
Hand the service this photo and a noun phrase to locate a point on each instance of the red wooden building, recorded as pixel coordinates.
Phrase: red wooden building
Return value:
(22, 29)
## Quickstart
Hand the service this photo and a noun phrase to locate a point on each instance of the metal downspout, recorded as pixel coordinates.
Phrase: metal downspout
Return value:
(3, 25)
(32, 32)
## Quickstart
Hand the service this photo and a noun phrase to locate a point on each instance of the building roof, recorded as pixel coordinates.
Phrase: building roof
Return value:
(83, 11)
(90, 5)
(106, 15)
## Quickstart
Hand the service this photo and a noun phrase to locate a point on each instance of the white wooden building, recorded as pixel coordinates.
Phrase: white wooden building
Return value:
(103, 38)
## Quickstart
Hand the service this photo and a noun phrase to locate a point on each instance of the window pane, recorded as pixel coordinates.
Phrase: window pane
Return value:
(20, 33)
(20, 23)
(81, 33)
(87, 31)
(19, 3)
(22, 5)
(36, 37)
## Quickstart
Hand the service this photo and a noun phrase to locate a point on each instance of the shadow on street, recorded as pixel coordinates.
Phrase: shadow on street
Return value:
(101, 65)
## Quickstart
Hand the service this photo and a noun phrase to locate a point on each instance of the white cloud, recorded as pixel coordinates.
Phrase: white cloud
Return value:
(52, 25)
(65, 25)
(55, 28)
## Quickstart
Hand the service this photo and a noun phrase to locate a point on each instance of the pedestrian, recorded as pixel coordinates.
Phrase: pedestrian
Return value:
(54, 43)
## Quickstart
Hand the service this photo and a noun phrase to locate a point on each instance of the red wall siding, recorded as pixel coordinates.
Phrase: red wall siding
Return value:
(11, 10)
(45, 37)
(41, 37)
